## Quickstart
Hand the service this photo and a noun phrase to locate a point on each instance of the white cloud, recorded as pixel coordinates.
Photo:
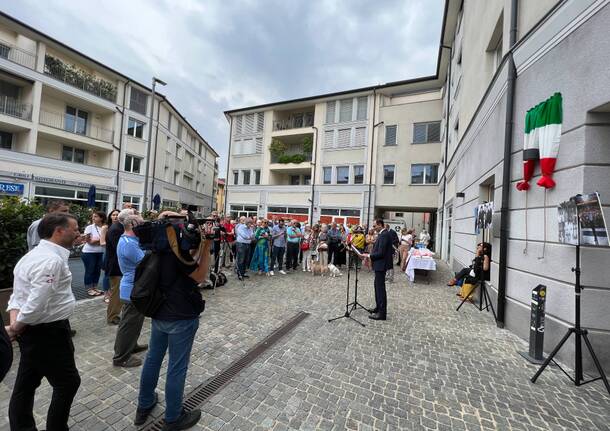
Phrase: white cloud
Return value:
(217, 54)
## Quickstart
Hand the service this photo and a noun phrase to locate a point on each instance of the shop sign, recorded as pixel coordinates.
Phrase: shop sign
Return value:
(53, 180)
(11, 189)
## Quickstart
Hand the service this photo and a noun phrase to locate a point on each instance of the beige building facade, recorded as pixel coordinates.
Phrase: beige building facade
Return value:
(68, 122)
(311, 158)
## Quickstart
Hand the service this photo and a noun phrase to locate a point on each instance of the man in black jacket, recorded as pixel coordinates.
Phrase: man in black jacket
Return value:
(381, 258)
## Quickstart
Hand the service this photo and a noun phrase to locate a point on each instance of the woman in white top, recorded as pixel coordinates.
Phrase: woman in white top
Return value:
(93, 253)
(406, 241)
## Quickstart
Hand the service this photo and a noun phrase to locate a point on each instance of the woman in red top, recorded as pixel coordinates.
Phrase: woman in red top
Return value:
(228, 244)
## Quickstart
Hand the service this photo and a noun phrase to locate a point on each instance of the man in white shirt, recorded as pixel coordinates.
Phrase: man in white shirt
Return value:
(39, 308)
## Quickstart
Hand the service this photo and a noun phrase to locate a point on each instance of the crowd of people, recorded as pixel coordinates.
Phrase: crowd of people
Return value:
(42, 300)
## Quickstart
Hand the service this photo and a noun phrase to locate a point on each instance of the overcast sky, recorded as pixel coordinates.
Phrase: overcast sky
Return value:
(223, 54)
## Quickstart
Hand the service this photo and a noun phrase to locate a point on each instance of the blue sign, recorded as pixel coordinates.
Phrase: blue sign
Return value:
(11, 189)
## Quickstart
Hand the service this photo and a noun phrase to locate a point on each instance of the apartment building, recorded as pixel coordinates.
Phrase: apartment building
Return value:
(343, 157)
(68, 122)
(505, 58)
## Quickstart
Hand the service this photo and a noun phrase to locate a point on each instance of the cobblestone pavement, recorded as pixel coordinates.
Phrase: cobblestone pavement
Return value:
(427, 367)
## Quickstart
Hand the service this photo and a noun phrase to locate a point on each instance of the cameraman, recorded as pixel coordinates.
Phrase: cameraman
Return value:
(174, 326)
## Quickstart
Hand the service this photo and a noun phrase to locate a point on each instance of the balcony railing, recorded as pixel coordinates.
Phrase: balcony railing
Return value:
(293, 122)
(292, 157)
(78, 78)
(57, 120)
(14, 108)
(17, 55)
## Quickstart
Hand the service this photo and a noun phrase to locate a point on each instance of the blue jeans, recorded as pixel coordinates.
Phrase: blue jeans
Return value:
(93, 268)
(243, 253)
(178, 336)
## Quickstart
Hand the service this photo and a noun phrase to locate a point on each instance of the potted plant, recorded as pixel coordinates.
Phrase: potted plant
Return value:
(277, 148)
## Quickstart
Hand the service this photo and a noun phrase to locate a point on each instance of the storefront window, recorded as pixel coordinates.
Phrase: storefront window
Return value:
(45, 194)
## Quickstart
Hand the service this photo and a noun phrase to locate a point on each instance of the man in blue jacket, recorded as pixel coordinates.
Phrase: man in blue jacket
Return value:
(381, 259)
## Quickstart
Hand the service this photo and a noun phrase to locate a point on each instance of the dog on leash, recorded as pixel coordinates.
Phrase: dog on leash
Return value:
(334, 271)
(316, 268)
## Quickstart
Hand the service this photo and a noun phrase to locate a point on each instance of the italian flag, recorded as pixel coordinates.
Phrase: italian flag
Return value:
(542, 135)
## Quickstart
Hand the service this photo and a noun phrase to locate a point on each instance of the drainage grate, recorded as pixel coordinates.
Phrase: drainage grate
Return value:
(204, 391)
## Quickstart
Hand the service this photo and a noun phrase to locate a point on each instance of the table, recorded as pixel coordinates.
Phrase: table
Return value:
(419, 262)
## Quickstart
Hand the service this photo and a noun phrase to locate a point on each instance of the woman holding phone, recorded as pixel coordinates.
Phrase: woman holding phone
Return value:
(93, 253)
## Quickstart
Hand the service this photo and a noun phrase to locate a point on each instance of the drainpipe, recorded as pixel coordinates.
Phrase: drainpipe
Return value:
(152, 187)
(368, 211)
(118, 165)
(226, 191)
(446, 147)
(313, 176)
(508, 138)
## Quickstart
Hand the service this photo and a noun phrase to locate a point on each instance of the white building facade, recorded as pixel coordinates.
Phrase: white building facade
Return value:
(68, 122)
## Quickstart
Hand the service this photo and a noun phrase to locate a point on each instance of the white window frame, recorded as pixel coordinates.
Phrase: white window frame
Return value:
(331, 174)
(424, 178)
(130, 199)
(337, 174)
(131, 164)
(136, 122)
(385, 136)
(383, 175)
(353, 175)
(73, 153)
(427, 139)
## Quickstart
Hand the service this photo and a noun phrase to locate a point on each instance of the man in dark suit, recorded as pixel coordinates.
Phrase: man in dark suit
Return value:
(381, 259)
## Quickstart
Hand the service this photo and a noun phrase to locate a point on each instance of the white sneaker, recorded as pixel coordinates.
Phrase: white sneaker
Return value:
(282, 272)
(304, 270)
(271, 273)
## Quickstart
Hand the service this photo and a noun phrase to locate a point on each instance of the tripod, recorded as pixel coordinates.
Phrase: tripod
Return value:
(351, 306)
(483, 295)
(579, 334)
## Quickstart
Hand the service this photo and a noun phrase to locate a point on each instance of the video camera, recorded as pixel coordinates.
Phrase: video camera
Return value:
(153, 234)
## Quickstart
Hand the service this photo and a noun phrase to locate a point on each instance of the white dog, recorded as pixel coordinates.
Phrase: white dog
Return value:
(334, 271)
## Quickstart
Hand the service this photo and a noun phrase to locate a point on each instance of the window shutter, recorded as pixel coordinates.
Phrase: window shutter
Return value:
(360, 139)
(343, 140)
(345, 113)
(330, 112)
(260, 123)
(329, 136)
(419, 133)
(259, 145)
(390, 135)
(238, 147)
(238, 124)
(248, 146)
(249, 126)
(434, 132)
(362, 108)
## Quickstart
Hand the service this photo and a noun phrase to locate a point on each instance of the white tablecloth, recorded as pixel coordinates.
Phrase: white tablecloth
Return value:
(416, 262)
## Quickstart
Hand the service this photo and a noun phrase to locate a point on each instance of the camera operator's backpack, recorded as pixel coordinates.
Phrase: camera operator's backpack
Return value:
(146, 296)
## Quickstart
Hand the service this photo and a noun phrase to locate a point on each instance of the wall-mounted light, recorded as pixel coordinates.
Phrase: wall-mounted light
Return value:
(460, 195)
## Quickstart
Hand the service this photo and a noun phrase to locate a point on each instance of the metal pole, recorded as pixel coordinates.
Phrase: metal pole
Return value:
(313, 176)
(147, 169)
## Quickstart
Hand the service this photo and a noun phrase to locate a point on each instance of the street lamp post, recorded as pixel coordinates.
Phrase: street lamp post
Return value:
(150, 121)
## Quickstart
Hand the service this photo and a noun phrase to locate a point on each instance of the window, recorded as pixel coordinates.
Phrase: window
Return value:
(281, 210)
(360, 138)
(330, 112)
(179, 151)
(350, 213)
(133, 200)
(342, 174)
(244, 146)
(390, 135)
(426, 132)
(345, 110)
(260, 122)
(200, 152)
(329, 211)
(135, 128)
(179, 132)
(362, 108)
(71, 154)
(307, 180)
(344, 137)
(187, 181)
(295, 180)
(75, 120)
(245, 176)
(132, 164)
(6, 140)
(257, 176)
(359, 174)
(138, 100)
(424, 174)
(169, 122)
(329, 137)
(388, 174)
(235, 177)
(327, 173)
(399, 214)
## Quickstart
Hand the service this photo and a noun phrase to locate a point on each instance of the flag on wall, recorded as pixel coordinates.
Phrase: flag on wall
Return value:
(541, 141)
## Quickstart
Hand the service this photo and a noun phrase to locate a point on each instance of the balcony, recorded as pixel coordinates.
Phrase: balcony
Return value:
(291, 153)
(294, 122)
(79, 126)
(14, 108)
(17, 55)
(79, 78)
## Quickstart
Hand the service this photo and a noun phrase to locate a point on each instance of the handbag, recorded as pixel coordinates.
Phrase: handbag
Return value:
(305, 246)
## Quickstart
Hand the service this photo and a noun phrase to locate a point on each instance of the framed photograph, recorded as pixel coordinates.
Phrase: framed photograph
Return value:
(593, 229)
(567, 220)
(485, 215)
